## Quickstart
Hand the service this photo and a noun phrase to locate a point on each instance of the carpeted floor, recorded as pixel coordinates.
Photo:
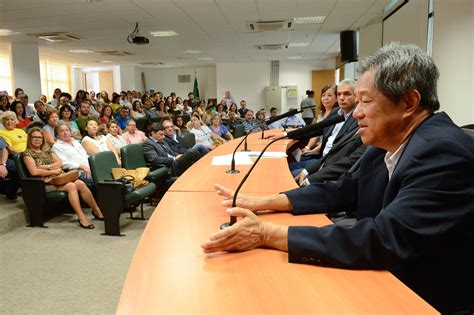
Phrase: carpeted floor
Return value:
(65, 269)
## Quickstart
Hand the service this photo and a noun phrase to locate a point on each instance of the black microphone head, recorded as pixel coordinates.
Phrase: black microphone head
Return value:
(313, 130)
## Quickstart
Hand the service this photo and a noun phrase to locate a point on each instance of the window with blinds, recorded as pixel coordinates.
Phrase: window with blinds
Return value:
(54, 75)
(5, 75)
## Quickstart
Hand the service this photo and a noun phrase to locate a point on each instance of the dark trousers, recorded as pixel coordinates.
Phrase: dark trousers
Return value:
(187, 159)
(11, 183)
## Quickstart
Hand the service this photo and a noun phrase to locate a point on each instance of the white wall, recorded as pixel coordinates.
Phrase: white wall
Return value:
(78, 74)
(370, 39)
(127, 77)
(244, 81)
(453, 46)
(166, 80)
(298, 73)
(26, 69)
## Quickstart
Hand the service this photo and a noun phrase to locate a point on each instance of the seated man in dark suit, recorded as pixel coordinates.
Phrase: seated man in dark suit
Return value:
(157, 153)
(175, 141)
(342, 156)
(413, 191)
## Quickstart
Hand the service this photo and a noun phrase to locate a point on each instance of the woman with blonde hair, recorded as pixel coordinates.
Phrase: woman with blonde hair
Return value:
(42, 162)
(15, 137)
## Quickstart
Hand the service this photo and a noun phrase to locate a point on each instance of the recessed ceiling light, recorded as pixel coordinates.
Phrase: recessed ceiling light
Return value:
(205, 58)
(309, 19)
(7, 32)
(294, 57)
(81, 51)
(105, 61)
(164, 33)
(194, 51)
(291, 45)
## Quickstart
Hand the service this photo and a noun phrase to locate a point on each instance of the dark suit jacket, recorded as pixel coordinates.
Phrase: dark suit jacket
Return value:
(419, 225)
(155, 155)
(339, 159)
(349, 125)
(176, 147)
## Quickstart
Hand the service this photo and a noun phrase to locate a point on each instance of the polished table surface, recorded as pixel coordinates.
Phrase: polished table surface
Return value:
(170, 274)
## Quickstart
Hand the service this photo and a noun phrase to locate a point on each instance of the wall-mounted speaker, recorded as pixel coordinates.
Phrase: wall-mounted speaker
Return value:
(348, 40)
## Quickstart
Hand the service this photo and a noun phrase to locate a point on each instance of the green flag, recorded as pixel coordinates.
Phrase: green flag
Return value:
(196, 88)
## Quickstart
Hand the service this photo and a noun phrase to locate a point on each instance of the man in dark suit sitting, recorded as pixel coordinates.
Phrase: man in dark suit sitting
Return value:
(413, 191)
(176, 143)
(157, 153)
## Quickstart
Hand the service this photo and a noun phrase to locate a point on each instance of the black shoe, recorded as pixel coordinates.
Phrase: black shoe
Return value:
(87, 227)
(12, 197)
(97, 217)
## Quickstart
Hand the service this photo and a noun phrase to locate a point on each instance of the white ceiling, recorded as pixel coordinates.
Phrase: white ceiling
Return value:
(216, 27)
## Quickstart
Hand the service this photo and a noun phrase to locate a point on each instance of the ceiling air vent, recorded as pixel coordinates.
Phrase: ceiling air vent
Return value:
(116, 53)
(57, 37)
(272, 46)
(151, 63)
(269, 26)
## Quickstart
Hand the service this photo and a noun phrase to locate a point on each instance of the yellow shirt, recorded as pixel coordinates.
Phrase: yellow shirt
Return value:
(15, 138)
(115, 106)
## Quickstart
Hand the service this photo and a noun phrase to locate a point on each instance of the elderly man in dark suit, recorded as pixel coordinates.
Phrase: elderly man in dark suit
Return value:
(413, 191)
(157, 153)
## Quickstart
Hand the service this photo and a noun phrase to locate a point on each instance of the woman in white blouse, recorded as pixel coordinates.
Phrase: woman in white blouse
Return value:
(202, 133)
(114, 137)
(94, 143)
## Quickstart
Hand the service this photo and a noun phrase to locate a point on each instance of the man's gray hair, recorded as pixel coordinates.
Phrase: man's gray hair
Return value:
(348, 82)
(399, 69)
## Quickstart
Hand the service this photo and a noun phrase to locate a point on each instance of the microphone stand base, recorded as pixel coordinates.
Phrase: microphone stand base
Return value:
(225, 225)
(232, 171)
(244, 150)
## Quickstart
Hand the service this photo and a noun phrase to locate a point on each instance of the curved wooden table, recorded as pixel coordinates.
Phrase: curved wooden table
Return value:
(170, 274)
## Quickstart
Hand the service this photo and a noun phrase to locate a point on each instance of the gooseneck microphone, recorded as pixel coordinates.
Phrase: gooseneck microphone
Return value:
(289, 113)
(233, 219)
(298, 134)
(232, 163)
(314, 130)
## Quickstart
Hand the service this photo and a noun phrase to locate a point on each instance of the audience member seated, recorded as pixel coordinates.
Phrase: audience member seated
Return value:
(137, 110)
(328, 102)
(276, 124)
(40, 115)
(83, 115)
(233, 109)
(233, 120)
(8, 171)
(123, 117)
(192, 100)
(175, 141)
(55, 101)
(157, 153)
(202, 132)
(114, 137)
(94, 143)
(133, 135)
(149, 110)
(161, 110)
(106, 114)
(292, 121)
(218, 128)
(115, 103)
(173, 111)
(72, 154)
(65, 114)
(15, 137)
(260, 117)
(243, 108)
(178, 122)
(229, 100)
(23, 120)
(4, 103)
(186, 109)
(220, 111)
(42, 162)
(250, 124)
(48, 129)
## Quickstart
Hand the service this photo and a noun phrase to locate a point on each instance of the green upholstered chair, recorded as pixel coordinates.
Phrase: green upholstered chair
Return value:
(189, 140)
(133, 157)
(239, 131)
(38, 202)
(111, 197)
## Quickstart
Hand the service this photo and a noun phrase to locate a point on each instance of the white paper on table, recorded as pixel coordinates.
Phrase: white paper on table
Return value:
(241, 158)
(268, 154)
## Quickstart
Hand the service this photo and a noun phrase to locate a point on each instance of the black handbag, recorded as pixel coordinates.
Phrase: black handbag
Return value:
(127, 183)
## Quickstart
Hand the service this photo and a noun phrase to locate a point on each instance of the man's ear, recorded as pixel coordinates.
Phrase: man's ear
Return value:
(412, 102)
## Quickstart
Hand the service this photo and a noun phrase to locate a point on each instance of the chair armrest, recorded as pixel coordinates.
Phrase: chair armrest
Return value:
(110, 198)
(34, 197)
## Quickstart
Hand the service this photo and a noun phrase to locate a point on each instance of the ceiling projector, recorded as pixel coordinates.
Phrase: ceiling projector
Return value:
(134, 38)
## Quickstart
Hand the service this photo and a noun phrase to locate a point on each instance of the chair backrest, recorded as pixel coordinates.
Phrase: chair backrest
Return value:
(189, 140)
(142, 124)
(155, 119)
(101, 166)
(239, 130)
(186, 118)
(132, 156)
(21, 169)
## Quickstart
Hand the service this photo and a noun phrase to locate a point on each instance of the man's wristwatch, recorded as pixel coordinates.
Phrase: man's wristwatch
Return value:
(4, 164)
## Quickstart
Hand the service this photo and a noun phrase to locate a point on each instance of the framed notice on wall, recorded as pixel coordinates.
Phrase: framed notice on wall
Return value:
(292, 91)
